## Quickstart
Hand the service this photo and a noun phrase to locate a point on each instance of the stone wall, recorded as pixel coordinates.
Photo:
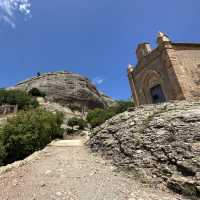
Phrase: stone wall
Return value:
(188, 58)
(173, 66)
(154, 69)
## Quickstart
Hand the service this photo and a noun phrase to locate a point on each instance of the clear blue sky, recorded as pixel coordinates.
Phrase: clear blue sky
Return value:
(96, 38)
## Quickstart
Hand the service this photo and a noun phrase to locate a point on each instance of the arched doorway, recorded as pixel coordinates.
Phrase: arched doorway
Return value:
(152, 85)
(157, 94)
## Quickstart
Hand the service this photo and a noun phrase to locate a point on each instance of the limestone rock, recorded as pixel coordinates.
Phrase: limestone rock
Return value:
(162, 142)
(67, 88)
(107, 100)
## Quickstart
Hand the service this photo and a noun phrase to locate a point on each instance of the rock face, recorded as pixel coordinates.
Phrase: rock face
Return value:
(66, 88)
(159, 142)
(107, 100)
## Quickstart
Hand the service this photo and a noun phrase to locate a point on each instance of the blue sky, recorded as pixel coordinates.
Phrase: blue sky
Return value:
(96, 38)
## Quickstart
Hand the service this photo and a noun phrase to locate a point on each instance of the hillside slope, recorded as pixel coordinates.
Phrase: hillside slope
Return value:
(159, 142)
(69, 89)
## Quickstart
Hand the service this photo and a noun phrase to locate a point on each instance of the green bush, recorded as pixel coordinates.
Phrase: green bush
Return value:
(122, 106)
(74, 121)
(29, 131)
(75, 107)
(35, 92)
(2, 154)
(69, 131)
(2, 149)
(17, 97)
(98, 116)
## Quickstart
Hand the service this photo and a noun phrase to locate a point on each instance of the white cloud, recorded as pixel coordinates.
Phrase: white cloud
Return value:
(98, 80)
(9, 8)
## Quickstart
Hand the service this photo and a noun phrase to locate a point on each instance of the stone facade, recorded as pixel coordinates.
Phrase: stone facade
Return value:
(169, 72)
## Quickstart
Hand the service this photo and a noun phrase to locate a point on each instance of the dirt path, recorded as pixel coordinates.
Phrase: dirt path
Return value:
(69, 171)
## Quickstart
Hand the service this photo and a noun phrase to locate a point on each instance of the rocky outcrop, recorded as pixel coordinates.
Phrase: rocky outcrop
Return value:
(159, 142)
(66, 88)
(107, 100)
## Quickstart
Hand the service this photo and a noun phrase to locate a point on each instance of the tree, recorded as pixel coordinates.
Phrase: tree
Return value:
(74, 121)
(122, 106)
(17, 97)
(98, 116)
(29, 131)
(35, 92)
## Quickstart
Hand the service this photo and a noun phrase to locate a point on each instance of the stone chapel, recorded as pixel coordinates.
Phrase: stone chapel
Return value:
(171, 71)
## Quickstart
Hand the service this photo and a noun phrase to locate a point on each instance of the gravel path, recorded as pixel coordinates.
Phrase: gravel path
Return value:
(71, 172)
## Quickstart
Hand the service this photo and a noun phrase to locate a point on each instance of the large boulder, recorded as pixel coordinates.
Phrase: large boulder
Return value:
(159, 142)
(66, 88)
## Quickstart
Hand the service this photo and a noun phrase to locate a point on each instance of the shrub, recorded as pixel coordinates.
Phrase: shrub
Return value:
(122, 106)
(74, 121)
(69, 131)
(74, 107)
(2, 154)
(17, 97)
(35, 92)
(30, 131)
(98, 116)
(2, 150)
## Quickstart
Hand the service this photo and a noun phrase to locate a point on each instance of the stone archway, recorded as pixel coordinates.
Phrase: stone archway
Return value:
(152, 87)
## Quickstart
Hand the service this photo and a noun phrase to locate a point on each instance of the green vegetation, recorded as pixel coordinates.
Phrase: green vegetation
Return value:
(122, 106)
(35, 92)
(74, 107)
(2, 152)
(98, 116)
(17, 97)
(27, 132)
(69, 131)
(74, 121)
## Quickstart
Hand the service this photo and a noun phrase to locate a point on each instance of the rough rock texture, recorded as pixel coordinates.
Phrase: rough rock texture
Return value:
(159, 142)
(56, 107)
(107, 100)
(66, 88)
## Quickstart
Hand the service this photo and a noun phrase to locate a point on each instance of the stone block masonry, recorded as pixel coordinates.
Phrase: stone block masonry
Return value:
(169, 72)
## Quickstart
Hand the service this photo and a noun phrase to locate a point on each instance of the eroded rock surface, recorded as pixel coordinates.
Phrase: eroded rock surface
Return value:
(67, 88)
(159, 142)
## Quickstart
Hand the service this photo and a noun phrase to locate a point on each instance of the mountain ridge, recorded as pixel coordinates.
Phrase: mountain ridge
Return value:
(67, 88)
